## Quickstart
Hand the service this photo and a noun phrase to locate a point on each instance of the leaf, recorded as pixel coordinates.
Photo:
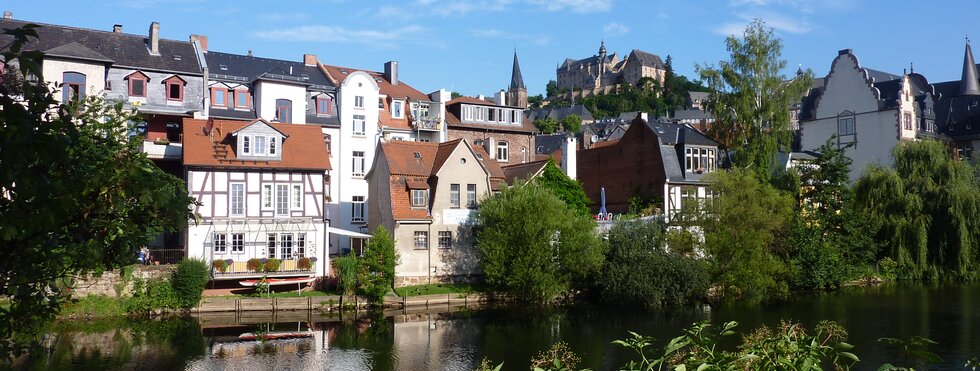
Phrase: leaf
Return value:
(887, 367)
(849, 355)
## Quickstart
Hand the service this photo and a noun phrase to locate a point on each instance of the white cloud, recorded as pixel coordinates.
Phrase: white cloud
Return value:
(336, 34)
(504, 35)
(796, 24)
(577, 6)
(615, 28)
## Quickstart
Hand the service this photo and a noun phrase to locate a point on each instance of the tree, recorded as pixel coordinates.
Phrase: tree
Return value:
(741, 233)
(454, 95)
(928, 208)
(566, 189)
(546, 125)
(532, 246)
(750, 98)
(551, 90)
(639, 269)
(571, 123)
(535, 101)
(376, 270)
(77, 195)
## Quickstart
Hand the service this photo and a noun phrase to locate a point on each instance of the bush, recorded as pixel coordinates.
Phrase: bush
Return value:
(254, 265)
(272, 265)
(376, 270)
(304, 264)
(150, 295)
(188, 282)
(346, 271)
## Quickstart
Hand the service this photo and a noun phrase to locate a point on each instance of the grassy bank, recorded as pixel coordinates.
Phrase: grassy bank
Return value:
(93, 306)
(439, 288)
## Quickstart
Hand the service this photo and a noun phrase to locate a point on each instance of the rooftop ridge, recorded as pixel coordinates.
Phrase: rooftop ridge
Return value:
(43, 24)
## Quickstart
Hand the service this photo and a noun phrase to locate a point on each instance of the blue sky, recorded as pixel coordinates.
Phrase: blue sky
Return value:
(467, 46)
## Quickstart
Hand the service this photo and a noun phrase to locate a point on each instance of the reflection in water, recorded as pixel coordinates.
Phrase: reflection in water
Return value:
(456, 339)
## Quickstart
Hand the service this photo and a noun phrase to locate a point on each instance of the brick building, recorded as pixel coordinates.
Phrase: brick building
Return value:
(501, 130)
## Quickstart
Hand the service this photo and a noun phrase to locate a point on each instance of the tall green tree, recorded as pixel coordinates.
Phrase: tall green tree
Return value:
(567, 189)
(546, 125)
(551, 90)
(77, 195)
(741, 233)
(571, 123)
(750, 98)
(928, 208)
(532, 246)
(376, 270)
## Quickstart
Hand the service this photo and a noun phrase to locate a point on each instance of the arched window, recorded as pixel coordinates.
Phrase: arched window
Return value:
(284, 109)
(73, 88)
(503, 151)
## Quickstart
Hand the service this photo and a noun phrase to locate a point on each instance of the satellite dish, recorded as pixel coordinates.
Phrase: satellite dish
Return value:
(595, 138)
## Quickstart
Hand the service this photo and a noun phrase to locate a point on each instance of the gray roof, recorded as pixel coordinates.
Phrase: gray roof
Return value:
(117, 48)
(968, 80)
(559, 113)
(246, 69)
(548, 144)
(692, 114)
(646, 59)
(516, 80)
(569, 62)
(880, 76)
(696, 95)
(671, 133)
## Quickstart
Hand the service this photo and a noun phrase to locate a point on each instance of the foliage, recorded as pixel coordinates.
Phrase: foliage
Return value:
(92, 306)
(557, 358)
(571, 124)
(927, 209)
(535, 101)
(741, 230)
(262, 288)
(546, 125)
(376, 275)
(750, 98)
(304, 263)
(79, 196)
(346, 268)
(272, 265)
(568, 190)
(150, 295)
(915, 352)
(188, 282)
(220, 265)
(487, 365)
(640, 270)
(682, 241)
(788, 347)
(254, 265)
(540, 258)
(438, 288)
(677, 86)
(551, 89)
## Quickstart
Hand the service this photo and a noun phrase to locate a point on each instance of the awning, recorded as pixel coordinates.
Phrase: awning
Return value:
(345, 232)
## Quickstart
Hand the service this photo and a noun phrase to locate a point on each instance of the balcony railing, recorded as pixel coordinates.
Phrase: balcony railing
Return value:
(261, 267)
(162, 256)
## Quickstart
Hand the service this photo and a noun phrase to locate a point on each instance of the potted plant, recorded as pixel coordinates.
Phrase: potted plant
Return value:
(272, 265)
(162, 141)
(304, 264)
(254, 265)
(220, 265)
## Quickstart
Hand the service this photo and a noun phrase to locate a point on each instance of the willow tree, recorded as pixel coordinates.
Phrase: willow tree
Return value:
(750, 98)
(928, 207)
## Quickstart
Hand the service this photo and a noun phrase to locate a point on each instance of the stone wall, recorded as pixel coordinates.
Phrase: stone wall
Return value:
(119, 282)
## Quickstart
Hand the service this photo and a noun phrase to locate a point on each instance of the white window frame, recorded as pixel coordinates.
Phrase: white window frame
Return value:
(286, 245)
(219, 243)
(397, 109)
(447, 237)
(272, 146)
(296, 196)
(357, 163)
(237, 243)
(420, 240)
(268, 196)
(454, 196)
(358, 101)
(247, 145)
(357, 209)
(260, 145)
(360, 125)
(231, 199)
(300, 245)
(471, 195)
(503, 151)
(281, 202)
(419, 198)
(271, 244)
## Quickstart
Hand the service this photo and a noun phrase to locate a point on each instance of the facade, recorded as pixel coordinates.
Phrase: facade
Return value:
(601, 73)
(501, 130)
(426, 194)
(955, 117)
(866, 110)
(654, 161)
(260, 188)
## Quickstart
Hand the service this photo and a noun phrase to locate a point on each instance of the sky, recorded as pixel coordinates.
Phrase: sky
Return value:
(468, 46)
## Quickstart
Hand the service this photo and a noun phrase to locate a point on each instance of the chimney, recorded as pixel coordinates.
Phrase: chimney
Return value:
(202, 41)
(155, 38)
(845, 51)
(309, 60)
(117, 28)
(500, 98)
(391, 72)
(8, 14)
(569, 159)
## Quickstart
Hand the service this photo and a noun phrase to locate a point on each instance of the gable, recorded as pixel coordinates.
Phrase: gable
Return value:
(847, 87)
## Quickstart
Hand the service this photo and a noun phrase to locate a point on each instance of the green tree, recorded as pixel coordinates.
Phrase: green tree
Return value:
(346, 268)
(567, 189)
(376, 275)
(188, 282)
(78, 195)
(928, 208)
(551, 90)
(532, 246)
(639, 269)
(535, 101)
(750, 98)
(571, 123)
(546, 125)
(742, 233)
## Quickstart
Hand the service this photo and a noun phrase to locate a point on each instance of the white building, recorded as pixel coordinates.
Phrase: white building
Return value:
(260, 193)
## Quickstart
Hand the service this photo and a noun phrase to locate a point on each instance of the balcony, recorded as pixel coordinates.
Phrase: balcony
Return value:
(426, 123)
(230, 269)
(162, 149)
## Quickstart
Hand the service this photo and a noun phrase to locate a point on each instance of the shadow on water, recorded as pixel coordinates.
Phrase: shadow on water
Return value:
(458, 339)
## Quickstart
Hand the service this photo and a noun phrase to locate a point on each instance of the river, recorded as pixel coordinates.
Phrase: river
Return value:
(457, 339)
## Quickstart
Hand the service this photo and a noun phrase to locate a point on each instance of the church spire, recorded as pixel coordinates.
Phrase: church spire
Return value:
(968, 82)
(516, 80)
(602, 50)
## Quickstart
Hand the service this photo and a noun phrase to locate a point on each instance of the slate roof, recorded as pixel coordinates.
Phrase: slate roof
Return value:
(646, 59)
(238, 68)
(671, 133)
(548, 144)
(692, 114)
(516, 80)
(880, 76)
(569, 62)
(524, 171)
(559, 113)
(302, 149)
(958, 117)
(121, 49)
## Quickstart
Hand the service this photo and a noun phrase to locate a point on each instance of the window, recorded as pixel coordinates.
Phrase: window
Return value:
(272, 146)
(845, 125)
(323, 105)
(282, 199)
(421, 240)
(236, 202)
(137, 84)
(285, 245)
(357, 209)
(219, 97)
(220, 243)
(523, 154)
(284, 110)
(471, 195)
(445, 239)
(360, 125)
(73, 88)
(297, 197)
(175, 88)
(359, 101)
(699, 159)
(358, 160)
(271, 245)
(241, 99)
(246, 145)
(454, 195)
(907, 120)
(328, 141)
(300, 245)
(237, 243)
(267, 196)
(260, 148)
(503, 152)
(418, 198)
(397, 108)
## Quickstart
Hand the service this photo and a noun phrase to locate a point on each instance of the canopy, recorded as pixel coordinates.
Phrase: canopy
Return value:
(344, 232)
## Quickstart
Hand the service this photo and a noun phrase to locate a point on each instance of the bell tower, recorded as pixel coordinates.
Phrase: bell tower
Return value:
(517, 92)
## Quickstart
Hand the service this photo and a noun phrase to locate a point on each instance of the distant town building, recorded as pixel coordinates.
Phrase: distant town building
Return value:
(560, 113)
(501, 130)
(957, 109)
(601, 73)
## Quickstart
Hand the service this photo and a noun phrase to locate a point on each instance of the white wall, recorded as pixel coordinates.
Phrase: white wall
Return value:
(267, 92)
(54, 69)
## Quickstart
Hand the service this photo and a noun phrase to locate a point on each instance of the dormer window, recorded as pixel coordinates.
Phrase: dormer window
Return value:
(397, 109)
(419, 197)
(175, 88)
(699, 160)
(242, 100)
(219, 97)
(137, 84)
(324, 105)
(260, 146)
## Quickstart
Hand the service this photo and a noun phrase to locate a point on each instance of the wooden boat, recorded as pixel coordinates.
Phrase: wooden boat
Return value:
(278, 281)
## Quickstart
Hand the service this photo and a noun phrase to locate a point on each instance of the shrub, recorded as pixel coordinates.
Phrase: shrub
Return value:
(346, 270)
(272, 265)
(150, 295)
(376, 270)
(254, 265)
(304, 264)
(188, 282)
(220, 265)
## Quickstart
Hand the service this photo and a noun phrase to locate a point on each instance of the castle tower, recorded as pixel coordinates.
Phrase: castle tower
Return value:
(968, 82)
(602, 58)
(517, 92)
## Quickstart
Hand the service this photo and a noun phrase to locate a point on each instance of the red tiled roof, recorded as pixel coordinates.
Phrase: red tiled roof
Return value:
(303, 148)
(401, 199)
(400, 91)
